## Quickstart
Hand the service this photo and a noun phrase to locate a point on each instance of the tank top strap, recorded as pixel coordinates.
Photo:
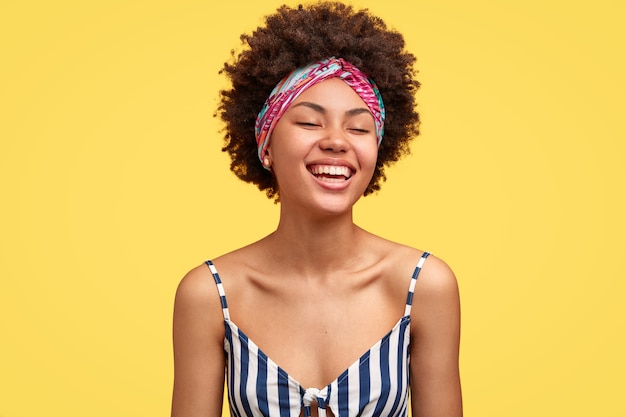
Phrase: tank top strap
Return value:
(220, 289)
(416, 272)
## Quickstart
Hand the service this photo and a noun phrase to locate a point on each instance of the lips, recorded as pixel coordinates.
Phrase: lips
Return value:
(331, 173)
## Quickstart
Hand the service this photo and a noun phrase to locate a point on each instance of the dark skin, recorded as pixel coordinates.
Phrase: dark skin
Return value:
(355, 283)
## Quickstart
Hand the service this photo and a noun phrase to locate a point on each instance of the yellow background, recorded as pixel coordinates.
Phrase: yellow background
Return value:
(113, 186)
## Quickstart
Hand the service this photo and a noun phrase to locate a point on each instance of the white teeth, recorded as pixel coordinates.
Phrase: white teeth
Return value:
(331, 170)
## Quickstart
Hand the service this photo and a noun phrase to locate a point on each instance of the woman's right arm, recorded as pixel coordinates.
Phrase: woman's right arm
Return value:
(198, 347)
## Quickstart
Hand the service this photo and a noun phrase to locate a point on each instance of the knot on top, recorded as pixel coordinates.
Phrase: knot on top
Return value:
(314, 394)
(310, 395)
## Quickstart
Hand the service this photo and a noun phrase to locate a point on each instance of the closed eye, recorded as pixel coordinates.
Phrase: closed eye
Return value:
(359, 131)
(307, 124)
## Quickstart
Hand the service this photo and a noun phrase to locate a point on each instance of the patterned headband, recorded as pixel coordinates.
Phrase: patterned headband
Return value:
(289, 88)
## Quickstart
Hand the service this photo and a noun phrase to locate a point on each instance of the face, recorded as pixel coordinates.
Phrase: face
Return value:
(323, 150)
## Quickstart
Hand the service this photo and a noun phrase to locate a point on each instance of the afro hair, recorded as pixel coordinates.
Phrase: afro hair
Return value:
(294, 37)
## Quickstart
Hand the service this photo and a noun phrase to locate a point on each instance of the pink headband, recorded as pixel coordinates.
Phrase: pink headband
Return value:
(289, 88)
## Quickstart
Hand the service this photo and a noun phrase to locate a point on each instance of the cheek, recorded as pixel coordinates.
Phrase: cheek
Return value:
(287, 153)
(368, 155)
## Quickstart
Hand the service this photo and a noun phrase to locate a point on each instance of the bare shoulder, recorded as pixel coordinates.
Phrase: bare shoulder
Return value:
(436, 289)
(235, 268)
(231, 265)
(196, 287)
(401, 260)
(435, 335)
(198, 333)
(197, 299)
(436, 304)
(437, 277)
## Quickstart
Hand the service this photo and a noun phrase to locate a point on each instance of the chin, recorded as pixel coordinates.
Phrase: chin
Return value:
(336, 205)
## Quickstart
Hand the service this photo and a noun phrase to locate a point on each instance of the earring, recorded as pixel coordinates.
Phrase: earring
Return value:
(266, 162)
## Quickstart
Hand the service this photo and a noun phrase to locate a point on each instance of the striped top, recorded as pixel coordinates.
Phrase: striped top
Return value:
(376, 384)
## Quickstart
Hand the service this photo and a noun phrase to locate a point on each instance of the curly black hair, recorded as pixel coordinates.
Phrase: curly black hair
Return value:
(295, 37)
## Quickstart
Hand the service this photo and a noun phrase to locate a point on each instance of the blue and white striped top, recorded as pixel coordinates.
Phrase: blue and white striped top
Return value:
(376, 384)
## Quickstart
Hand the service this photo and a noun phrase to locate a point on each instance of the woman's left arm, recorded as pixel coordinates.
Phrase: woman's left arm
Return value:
(435, 333)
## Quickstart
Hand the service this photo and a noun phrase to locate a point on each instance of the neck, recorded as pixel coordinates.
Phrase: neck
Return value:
(313, 246)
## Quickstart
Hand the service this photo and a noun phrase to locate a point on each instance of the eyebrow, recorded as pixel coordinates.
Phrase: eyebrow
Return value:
(322, 110)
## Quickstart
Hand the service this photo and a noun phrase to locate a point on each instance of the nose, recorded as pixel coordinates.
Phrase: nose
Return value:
(335, 141)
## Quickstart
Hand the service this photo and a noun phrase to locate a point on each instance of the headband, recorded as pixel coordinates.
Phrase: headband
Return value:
(290, 87)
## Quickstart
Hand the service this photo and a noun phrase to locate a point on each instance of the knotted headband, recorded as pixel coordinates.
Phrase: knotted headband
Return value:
(290, 87)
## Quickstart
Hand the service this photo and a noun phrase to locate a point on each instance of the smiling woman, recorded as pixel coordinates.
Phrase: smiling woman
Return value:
(322, 317)
(323, 149)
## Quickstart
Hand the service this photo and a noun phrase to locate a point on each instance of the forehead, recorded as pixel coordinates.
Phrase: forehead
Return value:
(332, 93)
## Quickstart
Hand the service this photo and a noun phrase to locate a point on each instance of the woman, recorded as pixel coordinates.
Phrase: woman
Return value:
(320, 317)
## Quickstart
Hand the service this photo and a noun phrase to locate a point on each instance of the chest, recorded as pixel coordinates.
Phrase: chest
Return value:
(336, 353)
(315, 337)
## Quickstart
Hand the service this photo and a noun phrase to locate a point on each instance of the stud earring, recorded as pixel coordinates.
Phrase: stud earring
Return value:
(266, 162)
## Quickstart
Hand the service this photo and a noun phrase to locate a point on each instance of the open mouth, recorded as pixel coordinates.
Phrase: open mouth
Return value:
(331, 173)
